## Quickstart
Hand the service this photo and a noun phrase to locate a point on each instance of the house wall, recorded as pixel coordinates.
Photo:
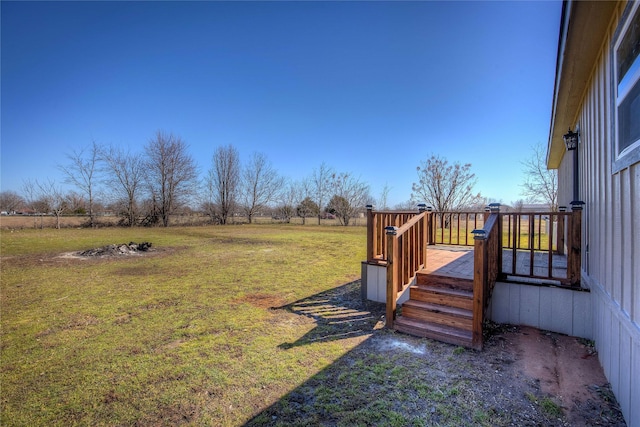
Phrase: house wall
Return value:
(611, 234)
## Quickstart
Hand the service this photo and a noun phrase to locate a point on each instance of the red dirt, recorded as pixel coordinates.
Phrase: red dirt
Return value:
(565, 367)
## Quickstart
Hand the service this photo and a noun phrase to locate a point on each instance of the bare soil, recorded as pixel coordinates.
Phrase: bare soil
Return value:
(523, 377)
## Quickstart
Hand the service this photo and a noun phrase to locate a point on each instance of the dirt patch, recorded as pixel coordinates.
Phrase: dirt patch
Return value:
(261, 300)
(523, 377)
(566, 367)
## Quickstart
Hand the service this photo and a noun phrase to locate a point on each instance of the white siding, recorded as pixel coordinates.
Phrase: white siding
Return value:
(611, 236)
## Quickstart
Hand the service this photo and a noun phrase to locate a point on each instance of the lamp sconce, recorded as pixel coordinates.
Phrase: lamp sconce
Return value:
(571, 139)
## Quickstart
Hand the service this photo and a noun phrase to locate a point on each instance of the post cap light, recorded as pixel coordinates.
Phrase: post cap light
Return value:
(571, 140)
(562, 208)
(576, 205)
(494, 207)
(479, 234)
(369, 207)
(422, 207)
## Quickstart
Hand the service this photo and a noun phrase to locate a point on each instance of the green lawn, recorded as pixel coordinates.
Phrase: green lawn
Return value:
(184, 335)
(457, 236)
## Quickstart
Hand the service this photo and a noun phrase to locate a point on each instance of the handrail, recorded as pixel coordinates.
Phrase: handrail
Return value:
(406, 255)
(487, 261)
(377, 221)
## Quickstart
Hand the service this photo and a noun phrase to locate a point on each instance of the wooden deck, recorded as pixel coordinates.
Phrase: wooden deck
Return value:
(457, 261)
(414, 251)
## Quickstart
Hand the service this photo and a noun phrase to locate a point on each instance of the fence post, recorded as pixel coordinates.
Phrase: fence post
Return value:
(574, 257)
(392, 275)
(370, 233)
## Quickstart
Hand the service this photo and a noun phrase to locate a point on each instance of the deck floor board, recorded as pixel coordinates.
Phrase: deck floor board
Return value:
(457, 261)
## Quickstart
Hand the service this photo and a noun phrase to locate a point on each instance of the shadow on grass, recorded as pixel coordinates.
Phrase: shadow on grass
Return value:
(339, 313)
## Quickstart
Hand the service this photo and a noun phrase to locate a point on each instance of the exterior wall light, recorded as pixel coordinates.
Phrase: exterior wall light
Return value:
(571, 140)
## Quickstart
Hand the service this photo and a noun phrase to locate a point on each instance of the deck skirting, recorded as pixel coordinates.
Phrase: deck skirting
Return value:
(550, 308)
(374, 283)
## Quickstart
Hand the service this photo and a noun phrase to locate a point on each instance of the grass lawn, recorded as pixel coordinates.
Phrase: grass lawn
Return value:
(183, 335)
(237, 325)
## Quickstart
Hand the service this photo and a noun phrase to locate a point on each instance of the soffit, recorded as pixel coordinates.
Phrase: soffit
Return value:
(582, 33)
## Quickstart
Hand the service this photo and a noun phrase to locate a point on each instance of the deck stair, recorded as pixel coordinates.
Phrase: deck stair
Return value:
(439, 307)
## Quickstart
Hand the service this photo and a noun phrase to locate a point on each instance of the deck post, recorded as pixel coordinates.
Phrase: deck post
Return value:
(370, 233)
(495, 208)
(423, 238)
(487, 212)
(431, 239)
(574, 257)
(392, 275)
(480, 265)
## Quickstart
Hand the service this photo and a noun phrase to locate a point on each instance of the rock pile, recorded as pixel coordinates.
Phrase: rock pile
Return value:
(119, 249)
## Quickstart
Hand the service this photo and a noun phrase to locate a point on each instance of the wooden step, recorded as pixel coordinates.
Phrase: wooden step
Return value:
(436, 313)
(443, 295)
(444, 281)
(434, 331)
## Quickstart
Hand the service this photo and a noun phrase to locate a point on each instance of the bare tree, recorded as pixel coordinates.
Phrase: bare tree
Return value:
(260, 185)
(446, 187)
(518, 205)
(45, 197)
(350, 195)
(82, 173)
(541, 184)
(125, 176)
(10, 201)
(288, 199)
(76, 203)
(321, 180)
(407, 205)
(30, 191)
(222, 182)
(384, 196)
(171, 173)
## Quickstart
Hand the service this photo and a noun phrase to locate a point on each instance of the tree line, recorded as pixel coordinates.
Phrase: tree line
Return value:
(148, 187)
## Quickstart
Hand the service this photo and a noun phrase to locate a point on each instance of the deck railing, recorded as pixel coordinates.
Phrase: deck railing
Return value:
(538, 237)
(377, 222)
(406, 255)
(455, 228)
(487, 261)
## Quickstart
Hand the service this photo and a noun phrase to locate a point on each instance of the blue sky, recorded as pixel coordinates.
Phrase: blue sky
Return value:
(370, 88)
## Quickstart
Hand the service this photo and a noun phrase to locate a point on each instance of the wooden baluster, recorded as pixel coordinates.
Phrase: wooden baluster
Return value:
(562, 217)
(531, 242)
